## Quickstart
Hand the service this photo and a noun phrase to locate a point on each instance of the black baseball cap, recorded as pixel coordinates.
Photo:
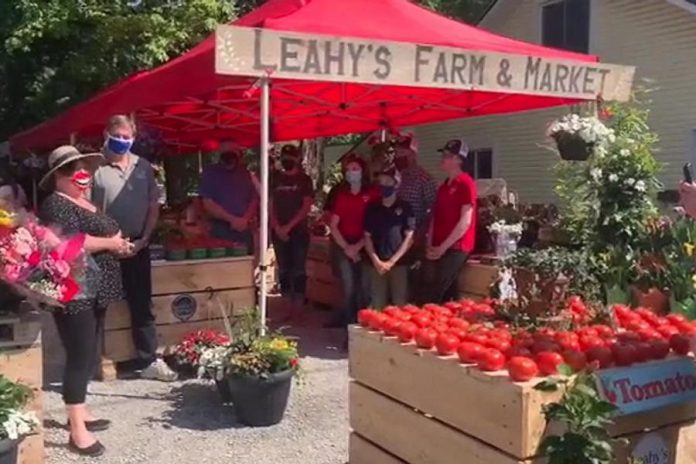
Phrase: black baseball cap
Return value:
(456, 147)
(291, 151)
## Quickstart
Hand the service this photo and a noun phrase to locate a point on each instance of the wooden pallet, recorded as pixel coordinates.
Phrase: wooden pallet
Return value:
(24, 365)
(20, 330)
(422, 408)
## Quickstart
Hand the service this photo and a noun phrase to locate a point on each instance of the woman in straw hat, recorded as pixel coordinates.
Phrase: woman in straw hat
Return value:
(80, 323)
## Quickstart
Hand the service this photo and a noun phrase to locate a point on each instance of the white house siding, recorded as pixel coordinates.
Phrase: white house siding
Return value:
(654, 35)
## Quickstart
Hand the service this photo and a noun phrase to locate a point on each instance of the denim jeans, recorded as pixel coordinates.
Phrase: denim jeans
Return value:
(442, 276)
(354, 283)
(388, 289)
(292, 258)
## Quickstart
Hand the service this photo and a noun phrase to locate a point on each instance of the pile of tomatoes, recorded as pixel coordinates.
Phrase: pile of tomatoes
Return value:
(469, 330)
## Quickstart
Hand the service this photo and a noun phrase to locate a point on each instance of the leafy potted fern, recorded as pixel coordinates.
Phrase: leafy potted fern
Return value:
(15, 422)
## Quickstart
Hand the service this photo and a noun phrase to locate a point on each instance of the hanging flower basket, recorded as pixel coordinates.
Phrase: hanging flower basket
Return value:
(572, 147)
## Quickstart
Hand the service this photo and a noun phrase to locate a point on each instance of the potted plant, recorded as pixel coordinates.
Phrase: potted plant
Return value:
(15, 423)
(187, 353)
(259, 369)
(576, 137)
(212, 364)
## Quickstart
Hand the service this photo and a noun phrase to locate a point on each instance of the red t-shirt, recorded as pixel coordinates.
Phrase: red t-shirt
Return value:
(350, 209)
(451, 197)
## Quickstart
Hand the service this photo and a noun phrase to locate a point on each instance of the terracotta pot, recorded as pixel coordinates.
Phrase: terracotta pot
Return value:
(653, 299)
(543, 297)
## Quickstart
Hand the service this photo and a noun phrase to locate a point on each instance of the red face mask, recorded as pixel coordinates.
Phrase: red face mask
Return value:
(81, 179)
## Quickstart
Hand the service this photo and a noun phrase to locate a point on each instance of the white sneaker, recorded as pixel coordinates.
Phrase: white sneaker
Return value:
(158, 370)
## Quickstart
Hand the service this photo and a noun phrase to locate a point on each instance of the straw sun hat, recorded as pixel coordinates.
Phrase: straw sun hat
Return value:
(61, 156)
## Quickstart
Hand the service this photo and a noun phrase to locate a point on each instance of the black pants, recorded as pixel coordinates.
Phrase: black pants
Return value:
(354, 282)
(137, 283)
(82, 335)
(442, 276)
(292, 258)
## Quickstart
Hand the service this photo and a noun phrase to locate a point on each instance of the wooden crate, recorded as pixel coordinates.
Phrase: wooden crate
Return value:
(24, 365)
(362, 451)
(476, 278)
(20, 330)
(484, 408)
(196, 276)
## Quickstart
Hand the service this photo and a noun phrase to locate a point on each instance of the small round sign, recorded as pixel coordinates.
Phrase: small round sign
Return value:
(651, 449)
(184, 307)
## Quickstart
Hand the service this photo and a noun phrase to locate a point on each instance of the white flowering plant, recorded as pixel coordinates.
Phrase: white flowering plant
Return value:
(590, 129)
(15, 422)
(213, 362)
(501, 227)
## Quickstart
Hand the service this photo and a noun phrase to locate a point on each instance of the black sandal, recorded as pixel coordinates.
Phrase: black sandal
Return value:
(94, 450)
(97, 425)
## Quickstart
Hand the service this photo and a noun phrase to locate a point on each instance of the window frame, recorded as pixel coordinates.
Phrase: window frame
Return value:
(483, 148)
(540, 18)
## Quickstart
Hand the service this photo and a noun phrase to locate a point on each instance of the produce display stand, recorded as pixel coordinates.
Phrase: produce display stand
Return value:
(410, 406)
(476, 278)
(186, 296)
(21, 360)
(323, 289)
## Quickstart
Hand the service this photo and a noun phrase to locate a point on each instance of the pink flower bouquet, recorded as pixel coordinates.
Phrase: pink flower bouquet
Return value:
(37, 263)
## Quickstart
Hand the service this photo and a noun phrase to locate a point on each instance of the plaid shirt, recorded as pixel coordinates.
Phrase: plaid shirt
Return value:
(418, 189)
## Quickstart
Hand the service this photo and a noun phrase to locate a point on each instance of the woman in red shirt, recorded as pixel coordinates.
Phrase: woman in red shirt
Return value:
(348, 236)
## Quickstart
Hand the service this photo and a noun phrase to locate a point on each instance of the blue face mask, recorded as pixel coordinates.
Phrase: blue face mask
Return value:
(353, 177)
(387, 190)
(117, 145)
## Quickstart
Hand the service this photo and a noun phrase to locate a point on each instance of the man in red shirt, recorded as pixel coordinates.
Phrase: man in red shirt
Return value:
(347, 224)
(453, 227)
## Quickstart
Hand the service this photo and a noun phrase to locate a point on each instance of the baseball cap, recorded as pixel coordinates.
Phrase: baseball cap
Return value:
(456, 147)
(290, 151)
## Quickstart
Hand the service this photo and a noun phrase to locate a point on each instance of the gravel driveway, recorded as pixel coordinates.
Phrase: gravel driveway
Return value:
(183, 422)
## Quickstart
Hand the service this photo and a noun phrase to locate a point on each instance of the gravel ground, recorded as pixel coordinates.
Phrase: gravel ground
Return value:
(183, 422)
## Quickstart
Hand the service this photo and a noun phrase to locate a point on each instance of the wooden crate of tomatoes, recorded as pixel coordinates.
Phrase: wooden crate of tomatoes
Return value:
(451, 384)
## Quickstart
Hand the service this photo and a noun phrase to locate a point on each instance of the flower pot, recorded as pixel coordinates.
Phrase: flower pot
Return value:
(653, 299)
(260, 402)
(542, 296)
(223, 389)
(572, 147)
(8, 451)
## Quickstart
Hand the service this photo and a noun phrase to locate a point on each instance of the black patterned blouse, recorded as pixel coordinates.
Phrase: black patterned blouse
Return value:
(56, 210)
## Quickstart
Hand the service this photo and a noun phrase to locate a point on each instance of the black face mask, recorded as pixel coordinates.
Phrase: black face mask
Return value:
(230, 160)
(288, 164)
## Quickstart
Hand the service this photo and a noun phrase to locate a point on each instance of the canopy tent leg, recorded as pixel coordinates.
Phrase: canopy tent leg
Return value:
(263, 232)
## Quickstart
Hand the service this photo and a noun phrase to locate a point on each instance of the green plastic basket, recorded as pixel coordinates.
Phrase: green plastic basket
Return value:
(198, 253)
(217, 252)
(176, 255)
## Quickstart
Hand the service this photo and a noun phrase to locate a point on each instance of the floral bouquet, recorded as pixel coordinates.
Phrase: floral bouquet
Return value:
(37, 264)
(14, 421)
(188, 353)
(503, 228)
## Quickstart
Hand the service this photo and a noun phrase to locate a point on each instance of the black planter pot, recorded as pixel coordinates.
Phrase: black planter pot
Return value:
(260, 402)
(223, 388)
(572, 148)
(8, 451)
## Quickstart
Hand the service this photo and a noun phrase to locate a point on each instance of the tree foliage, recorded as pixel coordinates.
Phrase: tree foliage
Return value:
(56, 53)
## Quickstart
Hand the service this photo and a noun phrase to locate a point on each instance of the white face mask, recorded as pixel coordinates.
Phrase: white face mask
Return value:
(353, 177)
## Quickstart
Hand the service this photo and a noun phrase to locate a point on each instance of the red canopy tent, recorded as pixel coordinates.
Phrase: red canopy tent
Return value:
(208, 93)
(189, 102)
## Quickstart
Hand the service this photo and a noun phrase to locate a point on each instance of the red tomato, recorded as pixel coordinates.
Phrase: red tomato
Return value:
(660, 349)
(378, 320)
(587, 343)
(680, 344)
(391, 311)
(649, 334)
(644, 351)
(425, 338)
(676, 319)
(548, 362)
(491, 360)
(588, 332)
(660, 321)
(469, 352)
(568, 341)
(459, 333)
(500, 334)
(391, 326)
(687, 329)
(542, 346)
(458, 323)
(440, 327)
(498, 344)
(475, 337)
(667, 331)
(518, 351)
(421, 319)
(575, 359)
(411, 309)
(407, 332)
(601, 355)
(522, 369)
(446, 344)
(604, 331)
(624, 355)
(364, 316)
(621, 310)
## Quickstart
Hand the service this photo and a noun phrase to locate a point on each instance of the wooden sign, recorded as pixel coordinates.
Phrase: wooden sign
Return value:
(244, 51)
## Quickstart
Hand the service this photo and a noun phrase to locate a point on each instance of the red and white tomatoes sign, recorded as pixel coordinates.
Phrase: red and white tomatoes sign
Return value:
(649, 386)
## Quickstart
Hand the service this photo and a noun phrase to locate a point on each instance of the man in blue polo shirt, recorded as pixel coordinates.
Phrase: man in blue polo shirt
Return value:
(229, 197)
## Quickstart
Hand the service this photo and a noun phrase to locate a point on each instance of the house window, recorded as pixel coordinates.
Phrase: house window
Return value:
(479, 163)
(565, 24)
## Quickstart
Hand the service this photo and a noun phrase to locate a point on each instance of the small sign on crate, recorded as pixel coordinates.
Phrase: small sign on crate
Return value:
(649, 386)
